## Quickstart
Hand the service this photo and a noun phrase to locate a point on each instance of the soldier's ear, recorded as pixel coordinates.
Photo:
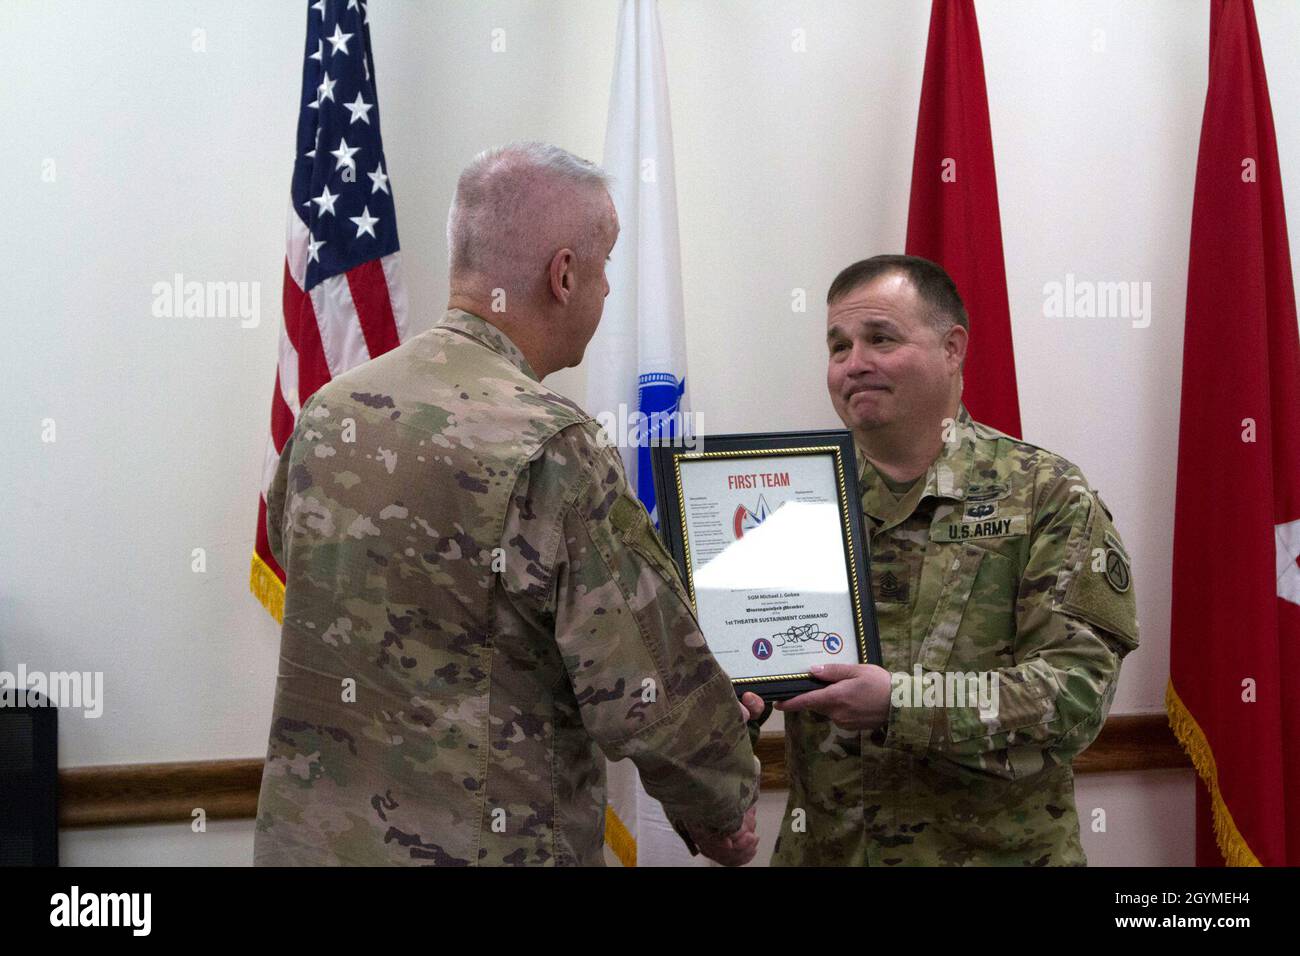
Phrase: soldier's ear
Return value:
(560, 275)
(955, 341)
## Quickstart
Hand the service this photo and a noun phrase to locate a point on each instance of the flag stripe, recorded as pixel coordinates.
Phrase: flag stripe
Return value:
(396, 292)
(295, 247)
(304, 336)
(287, 373)
(369, 290)
(282, 417)
(340, 327)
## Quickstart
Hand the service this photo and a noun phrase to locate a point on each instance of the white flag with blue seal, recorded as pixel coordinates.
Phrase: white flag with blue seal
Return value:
(637, 377)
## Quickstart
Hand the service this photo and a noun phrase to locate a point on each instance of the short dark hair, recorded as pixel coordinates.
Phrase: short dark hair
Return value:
(933, 286)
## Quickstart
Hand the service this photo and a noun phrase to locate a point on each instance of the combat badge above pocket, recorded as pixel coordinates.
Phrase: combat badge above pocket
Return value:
(1101, 591)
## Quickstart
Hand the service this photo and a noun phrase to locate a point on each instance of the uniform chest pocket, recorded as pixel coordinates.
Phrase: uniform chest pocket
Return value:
(954, 596)
(973, 626)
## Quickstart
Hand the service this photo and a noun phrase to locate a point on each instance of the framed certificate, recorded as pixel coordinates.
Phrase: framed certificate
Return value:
(767, 532)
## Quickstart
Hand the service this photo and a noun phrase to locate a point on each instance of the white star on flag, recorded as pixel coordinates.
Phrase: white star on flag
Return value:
(339, 41)
(326, 89)
(325, 201)
(365, 223)
(312, 247)
(380, 180)
(359, 109)
(344, 154)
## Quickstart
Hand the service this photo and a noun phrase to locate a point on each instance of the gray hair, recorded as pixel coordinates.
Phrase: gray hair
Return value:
(515, 205)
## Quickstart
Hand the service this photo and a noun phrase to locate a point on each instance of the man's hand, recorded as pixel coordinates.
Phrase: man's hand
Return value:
(734, 850)
(857, 698)
(751, 706)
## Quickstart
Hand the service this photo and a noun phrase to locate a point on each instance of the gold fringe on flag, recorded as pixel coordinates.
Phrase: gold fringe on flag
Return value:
(1233, 846)
(267, 588)
(619, 838)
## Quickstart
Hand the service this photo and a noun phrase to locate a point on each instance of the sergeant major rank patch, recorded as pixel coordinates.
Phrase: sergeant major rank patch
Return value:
(889, 586)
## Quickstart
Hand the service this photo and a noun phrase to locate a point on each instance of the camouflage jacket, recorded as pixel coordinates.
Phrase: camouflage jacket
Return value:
(476, 609)
(1000, 560)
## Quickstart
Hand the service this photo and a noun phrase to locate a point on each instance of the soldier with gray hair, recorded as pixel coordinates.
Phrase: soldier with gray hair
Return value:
(477, 609)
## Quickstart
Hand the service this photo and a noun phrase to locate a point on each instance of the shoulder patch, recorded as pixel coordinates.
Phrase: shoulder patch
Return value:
(625, 514)
(631, 522)
(1118, 574)
(1101, 591)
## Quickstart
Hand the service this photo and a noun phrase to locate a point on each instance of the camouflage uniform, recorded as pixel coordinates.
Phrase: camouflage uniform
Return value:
(460, 544)
(1002, 559)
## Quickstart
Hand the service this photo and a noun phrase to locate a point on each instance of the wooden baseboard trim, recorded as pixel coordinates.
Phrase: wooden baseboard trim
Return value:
(123, 794)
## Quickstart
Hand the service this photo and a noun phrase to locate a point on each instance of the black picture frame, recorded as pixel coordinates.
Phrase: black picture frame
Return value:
(667, 456)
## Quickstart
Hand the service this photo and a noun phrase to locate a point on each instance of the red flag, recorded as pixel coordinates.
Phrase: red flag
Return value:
(953, 217)
(1235, 629)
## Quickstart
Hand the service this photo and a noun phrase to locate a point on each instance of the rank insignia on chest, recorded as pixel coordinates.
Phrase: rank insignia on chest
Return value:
(889, 586)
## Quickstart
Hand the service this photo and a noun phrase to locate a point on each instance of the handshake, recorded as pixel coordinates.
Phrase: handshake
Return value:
(857, 697)
(735, 849)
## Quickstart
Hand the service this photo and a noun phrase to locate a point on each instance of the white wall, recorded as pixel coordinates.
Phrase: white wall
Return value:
(789, 165)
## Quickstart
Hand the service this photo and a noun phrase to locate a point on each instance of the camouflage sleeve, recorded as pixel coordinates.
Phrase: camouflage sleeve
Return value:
(275, 496)
(1076, 619)
(646, 684)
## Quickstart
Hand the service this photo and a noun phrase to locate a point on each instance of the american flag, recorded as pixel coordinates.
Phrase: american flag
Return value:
(343, 300)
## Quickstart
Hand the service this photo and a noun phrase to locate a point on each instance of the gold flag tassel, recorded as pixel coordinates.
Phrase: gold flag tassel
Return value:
(267, 588)
(1233, 846)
